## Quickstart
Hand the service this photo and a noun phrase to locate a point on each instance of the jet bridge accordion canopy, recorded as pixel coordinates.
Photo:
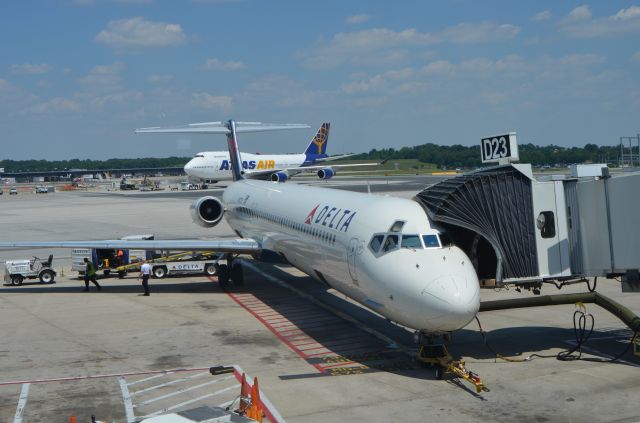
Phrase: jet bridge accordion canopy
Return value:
(497, 204)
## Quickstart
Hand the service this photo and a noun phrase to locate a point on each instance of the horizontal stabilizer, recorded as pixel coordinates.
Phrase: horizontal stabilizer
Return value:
(221, 128)
(238, 246)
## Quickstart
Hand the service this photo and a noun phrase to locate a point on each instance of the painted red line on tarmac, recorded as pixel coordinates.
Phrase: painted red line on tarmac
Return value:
(299, 316)
(306, 342)
(319, 354)
(275, 332)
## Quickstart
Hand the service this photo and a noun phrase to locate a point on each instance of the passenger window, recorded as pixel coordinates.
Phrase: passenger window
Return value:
(391, 243)
(376, 243)
(411, 241)
(430, 241)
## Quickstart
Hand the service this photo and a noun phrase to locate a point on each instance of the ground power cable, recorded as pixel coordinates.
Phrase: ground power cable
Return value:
(583, 325)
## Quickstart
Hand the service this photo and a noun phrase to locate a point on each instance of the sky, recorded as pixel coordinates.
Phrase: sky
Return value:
(78, 76)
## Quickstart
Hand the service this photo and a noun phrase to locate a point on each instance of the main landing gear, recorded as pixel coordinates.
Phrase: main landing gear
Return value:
(230, 274)
(432, 352)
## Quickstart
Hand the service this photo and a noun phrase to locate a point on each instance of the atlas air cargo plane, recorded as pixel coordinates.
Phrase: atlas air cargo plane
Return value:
(382, 251)
(216, 165)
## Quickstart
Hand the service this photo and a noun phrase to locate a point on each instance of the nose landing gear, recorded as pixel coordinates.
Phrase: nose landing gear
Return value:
(433, 353)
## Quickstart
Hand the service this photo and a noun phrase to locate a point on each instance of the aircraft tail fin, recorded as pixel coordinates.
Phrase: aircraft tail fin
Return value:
(317, 148)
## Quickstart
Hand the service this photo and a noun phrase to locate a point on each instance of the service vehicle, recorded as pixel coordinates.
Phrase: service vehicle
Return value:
(41, 189)
(183, 263)
(13, 191)
(107, 259)
(16, 271)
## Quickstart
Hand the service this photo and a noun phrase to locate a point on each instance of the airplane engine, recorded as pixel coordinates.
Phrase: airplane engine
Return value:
(326, 173)
(207, 211)
(280, 177)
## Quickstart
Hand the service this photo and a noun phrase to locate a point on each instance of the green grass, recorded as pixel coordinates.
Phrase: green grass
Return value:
(391, 167)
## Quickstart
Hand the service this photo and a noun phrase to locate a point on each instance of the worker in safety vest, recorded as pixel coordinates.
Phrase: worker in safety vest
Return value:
(90, 275)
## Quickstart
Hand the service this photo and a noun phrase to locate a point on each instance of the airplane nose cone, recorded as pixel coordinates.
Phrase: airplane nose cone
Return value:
(455, 301)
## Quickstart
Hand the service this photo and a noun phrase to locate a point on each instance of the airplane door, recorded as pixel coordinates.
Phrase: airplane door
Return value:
(355, 249)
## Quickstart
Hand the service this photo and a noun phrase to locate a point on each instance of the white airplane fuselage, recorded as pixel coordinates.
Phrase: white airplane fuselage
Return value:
(215, 165)
(327, 234)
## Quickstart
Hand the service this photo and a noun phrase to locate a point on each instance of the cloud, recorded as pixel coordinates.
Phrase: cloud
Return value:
(542, 16)
(486, 32)
(104, 77)
(582, 59)
(493, 98)
(208, 101)
(126, 97)
(31, 69)
(377, 82)
(139, 32)
(580, 13)
(358, 19)
(438, 67)
(370, 45)
(351, 46)
(580, 23)
(4, 84)
(55, 105)
(215, 64)
(216, 1)
(159, 79)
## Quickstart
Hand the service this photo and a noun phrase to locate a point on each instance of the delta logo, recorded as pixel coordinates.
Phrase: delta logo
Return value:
(251, 165)
(331, 217)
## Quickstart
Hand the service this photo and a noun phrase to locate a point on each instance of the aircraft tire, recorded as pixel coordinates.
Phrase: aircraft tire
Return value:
(223, 277)
(237, 274)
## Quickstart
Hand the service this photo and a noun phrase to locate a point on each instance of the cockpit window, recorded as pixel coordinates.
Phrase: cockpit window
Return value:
(397, 226)
(200, 155)
(411, 241)
(391, 243)
(431, 241)
(376, 243)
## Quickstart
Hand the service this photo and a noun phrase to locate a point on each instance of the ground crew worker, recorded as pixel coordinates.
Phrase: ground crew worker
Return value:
(145, 272)
(120, 256)
(90, 275)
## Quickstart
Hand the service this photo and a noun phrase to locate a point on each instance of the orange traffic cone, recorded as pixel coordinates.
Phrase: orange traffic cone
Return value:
(72, 419)
(244, 395)
(255, 409)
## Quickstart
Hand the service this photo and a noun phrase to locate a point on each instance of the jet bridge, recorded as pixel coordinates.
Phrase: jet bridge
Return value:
(523, 230)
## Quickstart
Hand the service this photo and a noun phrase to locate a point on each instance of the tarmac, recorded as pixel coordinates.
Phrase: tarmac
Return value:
(319, 357)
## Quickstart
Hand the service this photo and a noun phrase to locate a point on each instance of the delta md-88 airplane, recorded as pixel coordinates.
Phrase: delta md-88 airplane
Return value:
(382, 251)
(216, 165)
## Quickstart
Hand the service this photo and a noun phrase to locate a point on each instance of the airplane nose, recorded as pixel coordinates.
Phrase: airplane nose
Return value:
(457, 301)
(189, 166)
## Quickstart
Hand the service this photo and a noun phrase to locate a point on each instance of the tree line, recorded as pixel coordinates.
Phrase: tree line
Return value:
(447, 156)
(88, 164)
(444, 156)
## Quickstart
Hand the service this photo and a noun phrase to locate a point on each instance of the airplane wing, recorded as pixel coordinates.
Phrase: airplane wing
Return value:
(237, 245)
(264, 174)
(336, 157)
